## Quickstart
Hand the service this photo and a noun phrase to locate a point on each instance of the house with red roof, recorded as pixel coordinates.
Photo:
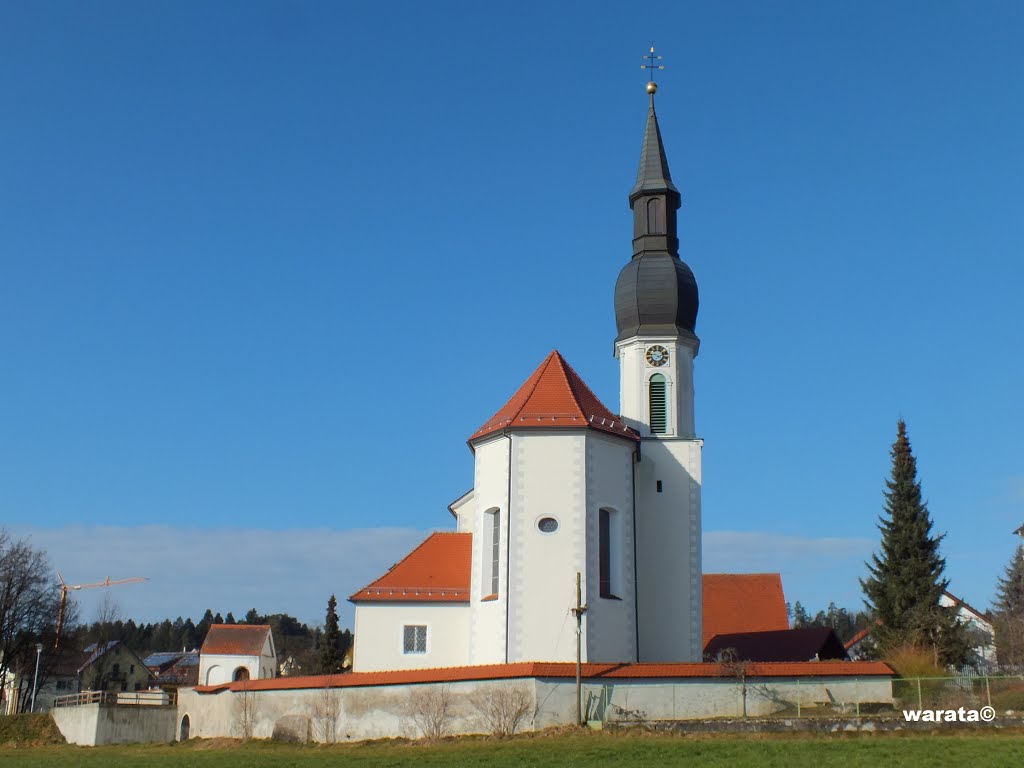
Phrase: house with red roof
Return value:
(563, 486)
(237, 652)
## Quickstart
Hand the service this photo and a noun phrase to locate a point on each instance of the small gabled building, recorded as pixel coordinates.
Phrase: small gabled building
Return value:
(237, 652)
(736, 603)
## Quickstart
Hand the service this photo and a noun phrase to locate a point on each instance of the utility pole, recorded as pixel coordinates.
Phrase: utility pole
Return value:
(35, 680)
(578, 612)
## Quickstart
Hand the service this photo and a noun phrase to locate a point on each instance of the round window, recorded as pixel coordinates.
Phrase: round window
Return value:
(547, 525)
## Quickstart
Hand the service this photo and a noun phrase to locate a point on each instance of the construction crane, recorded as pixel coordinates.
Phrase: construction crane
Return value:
(65, 588)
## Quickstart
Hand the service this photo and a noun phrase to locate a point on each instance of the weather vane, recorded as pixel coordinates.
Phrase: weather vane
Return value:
(652, 65)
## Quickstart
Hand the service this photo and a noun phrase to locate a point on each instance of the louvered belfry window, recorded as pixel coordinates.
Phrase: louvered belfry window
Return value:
(659, 406)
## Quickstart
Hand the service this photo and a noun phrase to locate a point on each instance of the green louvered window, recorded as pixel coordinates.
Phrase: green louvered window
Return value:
(659, 406)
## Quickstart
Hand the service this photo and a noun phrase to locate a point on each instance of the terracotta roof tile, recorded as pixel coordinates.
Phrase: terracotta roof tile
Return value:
(554, 397)
(743, 602)
(559, 670)
(437, 571)
(235, 639)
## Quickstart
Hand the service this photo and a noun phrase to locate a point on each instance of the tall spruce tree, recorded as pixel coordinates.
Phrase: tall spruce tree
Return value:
(331, 651)
(1009, 612)
(905, 581)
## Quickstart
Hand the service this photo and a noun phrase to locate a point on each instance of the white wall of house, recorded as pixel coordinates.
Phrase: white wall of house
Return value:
(379, 635)
(985, 651)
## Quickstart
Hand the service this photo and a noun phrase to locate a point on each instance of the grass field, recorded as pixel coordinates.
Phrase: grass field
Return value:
(975, 748)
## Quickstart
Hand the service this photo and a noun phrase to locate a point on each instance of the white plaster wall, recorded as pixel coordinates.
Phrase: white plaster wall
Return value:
(375, 712)
(699, 698)
(490, 490)
(668, 530)
(610, 624)
(215, 669)
(635, 372)
(465, 517)
(371, 712)
(379, 635)
(549, 480)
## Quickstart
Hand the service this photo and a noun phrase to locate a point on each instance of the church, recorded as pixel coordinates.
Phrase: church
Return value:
(564, 486)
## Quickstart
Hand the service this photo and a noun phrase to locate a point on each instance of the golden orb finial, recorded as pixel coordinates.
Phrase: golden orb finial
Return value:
(652, 87)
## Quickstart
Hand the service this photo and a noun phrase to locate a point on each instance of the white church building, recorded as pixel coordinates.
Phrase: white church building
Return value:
(562, 485)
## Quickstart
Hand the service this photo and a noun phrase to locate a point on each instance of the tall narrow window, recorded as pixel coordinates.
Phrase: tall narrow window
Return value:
(655, 221)
(491, 553)
(495, 549)
(607, 553)
(659, 406)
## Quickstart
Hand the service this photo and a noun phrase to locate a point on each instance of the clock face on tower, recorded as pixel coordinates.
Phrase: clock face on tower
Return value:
(657, 356)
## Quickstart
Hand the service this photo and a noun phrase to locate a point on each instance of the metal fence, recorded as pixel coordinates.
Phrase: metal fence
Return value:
(128, 698)
(804, 698)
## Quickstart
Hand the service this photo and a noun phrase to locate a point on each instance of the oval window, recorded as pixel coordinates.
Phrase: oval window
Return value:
(547, 525)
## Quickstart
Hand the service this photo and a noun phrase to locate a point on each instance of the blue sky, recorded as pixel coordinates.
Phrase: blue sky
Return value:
(264, 266)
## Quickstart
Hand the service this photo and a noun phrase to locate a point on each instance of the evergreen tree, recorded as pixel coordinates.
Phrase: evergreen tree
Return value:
(217, 618)
(1009, 613)
(330, 647)
(253, 617)
(230, 618)
(905, 581)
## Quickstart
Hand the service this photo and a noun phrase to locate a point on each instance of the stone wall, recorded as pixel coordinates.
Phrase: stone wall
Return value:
(387, 711)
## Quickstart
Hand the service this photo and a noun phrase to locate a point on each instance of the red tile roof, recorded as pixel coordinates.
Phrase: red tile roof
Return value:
(559, 670)
(235, 639)
(554, 396)
(857, 638)
(437, 571)
(743, 602)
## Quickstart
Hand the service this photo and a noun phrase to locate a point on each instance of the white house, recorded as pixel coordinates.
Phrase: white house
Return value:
(563, 486)
(982, 633)
(237, 652)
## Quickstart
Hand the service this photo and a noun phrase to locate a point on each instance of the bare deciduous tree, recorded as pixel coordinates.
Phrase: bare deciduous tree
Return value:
(323, 711)
(737, 668)
(501, 708)
(246, 710)
(29, 597)
(432, 709)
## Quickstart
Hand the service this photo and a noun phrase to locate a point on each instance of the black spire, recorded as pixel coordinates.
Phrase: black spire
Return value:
(653, 175)
(656, 293)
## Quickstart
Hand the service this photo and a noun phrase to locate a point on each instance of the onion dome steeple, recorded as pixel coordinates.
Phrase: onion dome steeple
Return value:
(656, 293)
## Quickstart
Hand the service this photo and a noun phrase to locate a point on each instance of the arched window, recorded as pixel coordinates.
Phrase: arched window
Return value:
(242, 673)
(655, 220)
(185, 727)
(492, 553)
(659, 405)
(608, 553)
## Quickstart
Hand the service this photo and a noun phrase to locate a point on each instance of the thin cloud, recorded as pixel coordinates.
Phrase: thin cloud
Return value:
(225, 569)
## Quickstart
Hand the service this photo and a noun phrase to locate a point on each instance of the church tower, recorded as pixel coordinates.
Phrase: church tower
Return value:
(656, 313)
